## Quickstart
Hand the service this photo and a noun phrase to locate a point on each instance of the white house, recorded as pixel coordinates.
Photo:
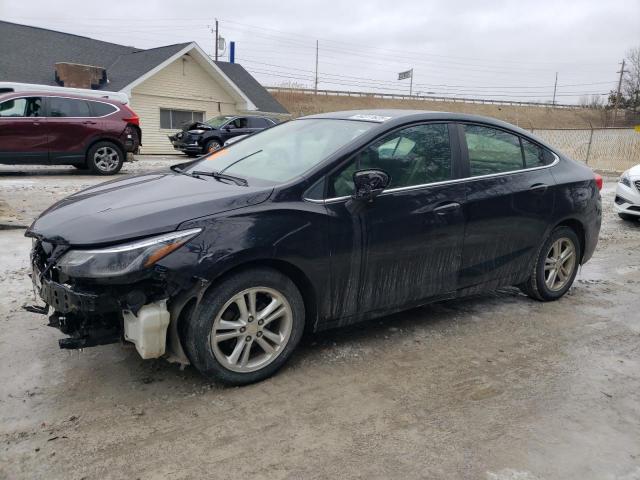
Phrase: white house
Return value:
(166, 85)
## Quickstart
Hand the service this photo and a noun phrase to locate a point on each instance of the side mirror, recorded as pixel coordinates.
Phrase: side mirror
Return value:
(369, 184)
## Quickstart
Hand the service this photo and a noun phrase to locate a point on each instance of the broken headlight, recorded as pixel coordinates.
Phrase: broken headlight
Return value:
(125, 258)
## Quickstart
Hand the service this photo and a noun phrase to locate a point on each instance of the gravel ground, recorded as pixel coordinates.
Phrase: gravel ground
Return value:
(495, 386)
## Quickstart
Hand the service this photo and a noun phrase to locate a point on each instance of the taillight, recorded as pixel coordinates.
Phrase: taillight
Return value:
(598, 180)
(132, 118)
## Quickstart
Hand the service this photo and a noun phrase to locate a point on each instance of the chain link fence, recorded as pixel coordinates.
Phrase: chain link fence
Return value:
(609, 149)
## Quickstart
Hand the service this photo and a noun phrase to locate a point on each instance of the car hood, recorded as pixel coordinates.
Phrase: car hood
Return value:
(197, 126)
(139, 206)
(635, 171)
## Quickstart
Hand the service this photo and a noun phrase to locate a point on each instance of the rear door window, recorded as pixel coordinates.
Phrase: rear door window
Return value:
(101, 109)
(68, 107)
(492, 150)
(254, 122)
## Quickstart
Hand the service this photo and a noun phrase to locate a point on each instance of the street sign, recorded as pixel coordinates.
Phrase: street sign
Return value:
(407, 74)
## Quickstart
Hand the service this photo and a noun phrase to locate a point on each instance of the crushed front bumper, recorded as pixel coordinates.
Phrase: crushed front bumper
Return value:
(65, 300)
(185, 143)
(94, 315)
(627, 199)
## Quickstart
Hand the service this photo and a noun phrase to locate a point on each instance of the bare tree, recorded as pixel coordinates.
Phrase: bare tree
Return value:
(631, 79)
(593, 101)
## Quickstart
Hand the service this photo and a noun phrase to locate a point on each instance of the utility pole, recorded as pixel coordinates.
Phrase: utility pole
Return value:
(615, 107)
(316, 83)
(215, 43)
(555, 87)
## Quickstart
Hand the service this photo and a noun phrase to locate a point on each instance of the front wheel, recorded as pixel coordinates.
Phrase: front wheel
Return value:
(105, 158)
(212, 146)
(246, 327)
(556, 266)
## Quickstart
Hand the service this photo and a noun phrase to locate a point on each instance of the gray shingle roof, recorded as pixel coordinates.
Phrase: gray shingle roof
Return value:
(250, 86)
(129, 67)
(29, 55)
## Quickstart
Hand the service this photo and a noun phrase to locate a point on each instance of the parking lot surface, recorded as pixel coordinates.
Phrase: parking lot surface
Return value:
(496, 386)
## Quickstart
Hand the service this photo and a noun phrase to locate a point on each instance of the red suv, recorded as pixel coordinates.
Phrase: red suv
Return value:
(53, 129)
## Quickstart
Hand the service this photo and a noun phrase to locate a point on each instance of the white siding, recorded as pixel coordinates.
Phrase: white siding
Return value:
(182, 85)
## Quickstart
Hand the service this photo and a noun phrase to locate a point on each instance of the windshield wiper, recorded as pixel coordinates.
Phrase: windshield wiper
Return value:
(239, 160)
(177, 169)
(221, 176)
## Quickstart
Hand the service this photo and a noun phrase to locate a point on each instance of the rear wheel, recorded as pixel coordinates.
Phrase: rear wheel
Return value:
(105, 158)
(627, 217)
(556, 266)
(245, 328)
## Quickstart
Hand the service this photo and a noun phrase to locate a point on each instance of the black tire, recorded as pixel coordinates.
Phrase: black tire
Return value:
(628, 218)
(212, 145)
(199, 327)
(105, 158)
(536, 286)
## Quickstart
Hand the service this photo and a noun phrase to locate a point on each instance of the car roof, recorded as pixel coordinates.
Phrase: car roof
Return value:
(9, 95)
(390, 118)
(387, 115)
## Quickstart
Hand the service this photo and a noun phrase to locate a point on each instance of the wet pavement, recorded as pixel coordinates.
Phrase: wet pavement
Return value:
(496, 386)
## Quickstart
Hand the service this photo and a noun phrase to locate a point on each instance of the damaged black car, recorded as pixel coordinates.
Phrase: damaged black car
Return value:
(323, 221)
(198, 138)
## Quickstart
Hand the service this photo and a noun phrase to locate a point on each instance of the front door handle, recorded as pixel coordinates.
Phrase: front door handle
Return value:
(538, 188)
(447, 208)
(89, 122)
(36, 123)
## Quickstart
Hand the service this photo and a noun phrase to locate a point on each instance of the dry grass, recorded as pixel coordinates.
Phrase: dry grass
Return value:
(526, 117)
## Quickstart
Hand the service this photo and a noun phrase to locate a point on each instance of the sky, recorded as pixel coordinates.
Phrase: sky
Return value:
(494, 49)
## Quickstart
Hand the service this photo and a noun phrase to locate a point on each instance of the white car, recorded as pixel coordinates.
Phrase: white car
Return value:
(627, 200)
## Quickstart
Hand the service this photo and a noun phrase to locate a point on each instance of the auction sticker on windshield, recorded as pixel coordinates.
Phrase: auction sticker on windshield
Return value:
(370, 118)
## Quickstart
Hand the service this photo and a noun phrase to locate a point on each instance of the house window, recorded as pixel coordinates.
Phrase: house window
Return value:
(173, 119)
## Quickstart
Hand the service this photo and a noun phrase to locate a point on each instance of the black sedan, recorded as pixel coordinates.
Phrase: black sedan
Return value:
(198, 138)
(323, 221)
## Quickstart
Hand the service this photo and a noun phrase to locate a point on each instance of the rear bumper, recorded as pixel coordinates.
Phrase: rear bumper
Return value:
(131, 139)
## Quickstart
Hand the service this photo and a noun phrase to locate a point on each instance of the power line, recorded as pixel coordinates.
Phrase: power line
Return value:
(392, 50)
(399, 89)
(537, 87)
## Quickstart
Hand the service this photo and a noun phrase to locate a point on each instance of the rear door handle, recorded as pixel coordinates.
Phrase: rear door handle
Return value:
(539, 188)
(447, 208)
(89, 122)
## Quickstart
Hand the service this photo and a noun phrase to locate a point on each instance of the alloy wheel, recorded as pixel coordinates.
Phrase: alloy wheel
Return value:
(213, 146)
(251, 330)
(106, 159)
(559, 264)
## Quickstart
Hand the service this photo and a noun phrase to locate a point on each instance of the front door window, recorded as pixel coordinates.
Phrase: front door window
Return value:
(415, 155)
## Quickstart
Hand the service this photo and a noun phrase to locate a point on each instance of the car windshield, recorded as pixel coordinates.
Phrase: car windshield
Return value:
(285, 151)
(217, 121)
